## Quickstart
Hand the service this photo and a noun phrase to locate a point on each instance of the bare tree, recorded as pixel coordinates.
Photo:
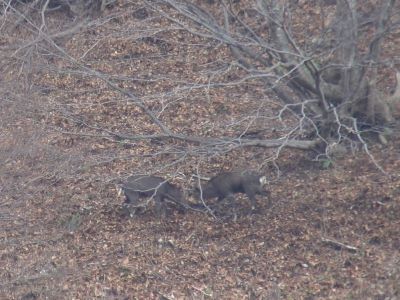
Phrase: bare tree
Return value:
(311, 83)
(327, 76)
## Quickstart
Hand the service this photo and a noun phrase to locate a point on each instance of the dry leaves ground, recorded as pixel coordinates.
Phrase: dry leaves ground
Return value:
(324, 234)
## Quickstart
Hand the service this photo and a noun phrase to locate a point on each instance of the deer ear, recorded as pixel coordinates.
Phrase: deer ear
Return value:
(263, 180)
(119, 190)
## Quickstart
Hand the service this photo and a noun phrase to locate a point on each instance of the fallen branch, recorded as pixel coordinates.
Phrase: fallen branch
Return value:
(235, 142)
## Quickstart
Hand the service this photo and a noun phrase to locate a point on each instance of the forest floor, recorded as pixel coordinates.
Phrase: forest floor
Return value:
(325, 232)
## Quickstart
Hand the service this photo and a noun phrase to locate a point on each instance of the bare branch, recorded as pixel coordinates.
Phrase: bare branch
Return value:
(338, 245)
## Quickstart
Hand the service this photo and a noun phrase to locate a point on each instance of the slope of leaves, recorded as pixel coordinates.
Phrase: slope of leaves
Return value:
(63, 234)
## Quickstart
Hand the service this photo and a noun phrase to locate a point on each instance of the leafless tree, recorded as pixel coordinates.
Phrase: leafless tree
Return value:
(315, 77)
(327, 76)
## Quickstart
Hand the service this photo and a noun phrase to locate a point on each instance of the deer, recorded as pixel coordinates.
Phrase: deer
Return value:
(225, 185)
(157, 188)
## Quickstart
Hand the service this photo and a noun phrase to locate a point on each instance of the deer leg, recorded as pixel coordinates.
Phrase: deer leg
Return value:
(181, 207)
(131, 201)
(251, 195)
(266, 195)
(161, 207)
(221, 199)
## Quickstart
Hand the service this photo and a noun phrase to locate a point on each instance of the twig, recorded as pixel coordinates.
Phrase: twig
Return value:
(338, 245)
(201, 291)
(201, 196)
(200, 177)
